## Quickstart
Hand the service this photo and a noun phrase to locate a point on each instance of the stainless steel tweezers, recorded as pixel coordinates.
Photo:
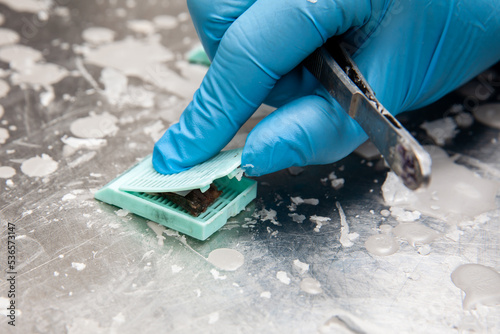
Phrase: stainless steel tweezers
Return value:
(337, 72)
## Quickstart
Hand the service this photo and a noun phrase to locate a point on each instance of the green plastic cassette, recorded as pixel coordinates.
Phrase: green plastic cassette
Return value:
(135, 191)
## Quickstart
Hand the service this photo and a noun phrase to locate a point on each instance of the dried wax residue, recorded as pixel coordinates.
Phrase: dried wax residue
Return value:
(122, 212)
(166, 22)
(115, 84)
(47, 96)
(404, 216)
(155, 130)
(39, 166)
(78, 266)
(441, 130)
(82, 159)
(118, 92)
(299, 200)
(159, 230)
(415, 233)
(488, 114)
(216, 275)
(141, 26)
(283, 277)
(455, 193)
(385, 228)
(311, 286)
(301, 266)
(319, 221)
(28, 70)
(119, 55)
(39, 74)
(336, 182)
(295, 170)
(346, 238)
(424, 250)
(8, 36)
(295, 201)
(226, 259)
(265, 294)
(297, 218)
(4, 135)
(145, 59)
(368, 151)
(95, 126)
(68, 197)
(134, 57)
(381, 245)
(268, 215)
(28, 6)
(19, 56)
(24, 60)
(464, 120)
(385, 213)
(176, 269)
(481, 285)
(79, 143)
(7, 172)
(98, 35)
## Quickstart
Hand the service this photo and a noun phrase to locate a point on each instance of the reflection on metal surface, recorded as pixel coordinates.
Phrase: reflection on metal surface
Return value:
(132, 284)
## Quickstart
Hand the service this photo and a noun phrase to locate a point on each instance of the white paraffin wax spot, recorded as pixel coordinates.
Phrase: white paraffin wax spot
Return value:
(27, 6)
(7, 172)
(303, 267)
(457, 192)
(141, 26)
(441, 130)
(226, 259)
(39, 166)
(481, 285)
(283, 277)
(381, 245)
(166, 22)
(4, 135)
(415, 233)
(488, 114)
(95, 126)
(311, 286)
(98, 35)
(8, 36)
(78, 266)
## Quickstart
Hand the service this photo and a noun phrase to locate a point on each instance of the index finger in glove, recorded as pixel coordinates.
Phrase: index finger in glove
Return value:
(263, 44)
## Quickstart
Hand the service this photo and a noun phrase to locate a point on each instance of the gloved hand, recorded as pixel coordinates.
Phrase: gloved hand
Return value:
(412, 52)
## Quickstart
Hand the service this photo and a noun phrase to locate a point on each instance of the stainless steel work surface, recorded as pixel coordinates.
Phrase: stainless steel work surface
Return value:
(83, 266)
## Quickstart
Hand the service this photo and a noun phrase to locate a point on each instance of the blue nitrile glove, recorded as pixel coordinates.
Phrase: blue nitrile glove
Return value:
(412, 52)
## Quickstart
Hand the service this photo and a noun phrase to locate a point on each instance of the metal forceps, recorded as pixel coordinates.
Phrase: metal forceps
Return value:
(336, 71)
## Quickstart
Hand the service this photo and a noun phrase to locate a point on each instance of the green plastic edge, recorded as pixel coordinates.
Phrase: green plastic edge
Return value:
(198, 56)
(178, 220)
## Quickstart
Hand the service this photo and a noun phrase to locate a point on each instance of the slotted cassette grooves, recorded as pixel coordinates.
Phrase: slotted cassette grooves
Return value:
(147, 179)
